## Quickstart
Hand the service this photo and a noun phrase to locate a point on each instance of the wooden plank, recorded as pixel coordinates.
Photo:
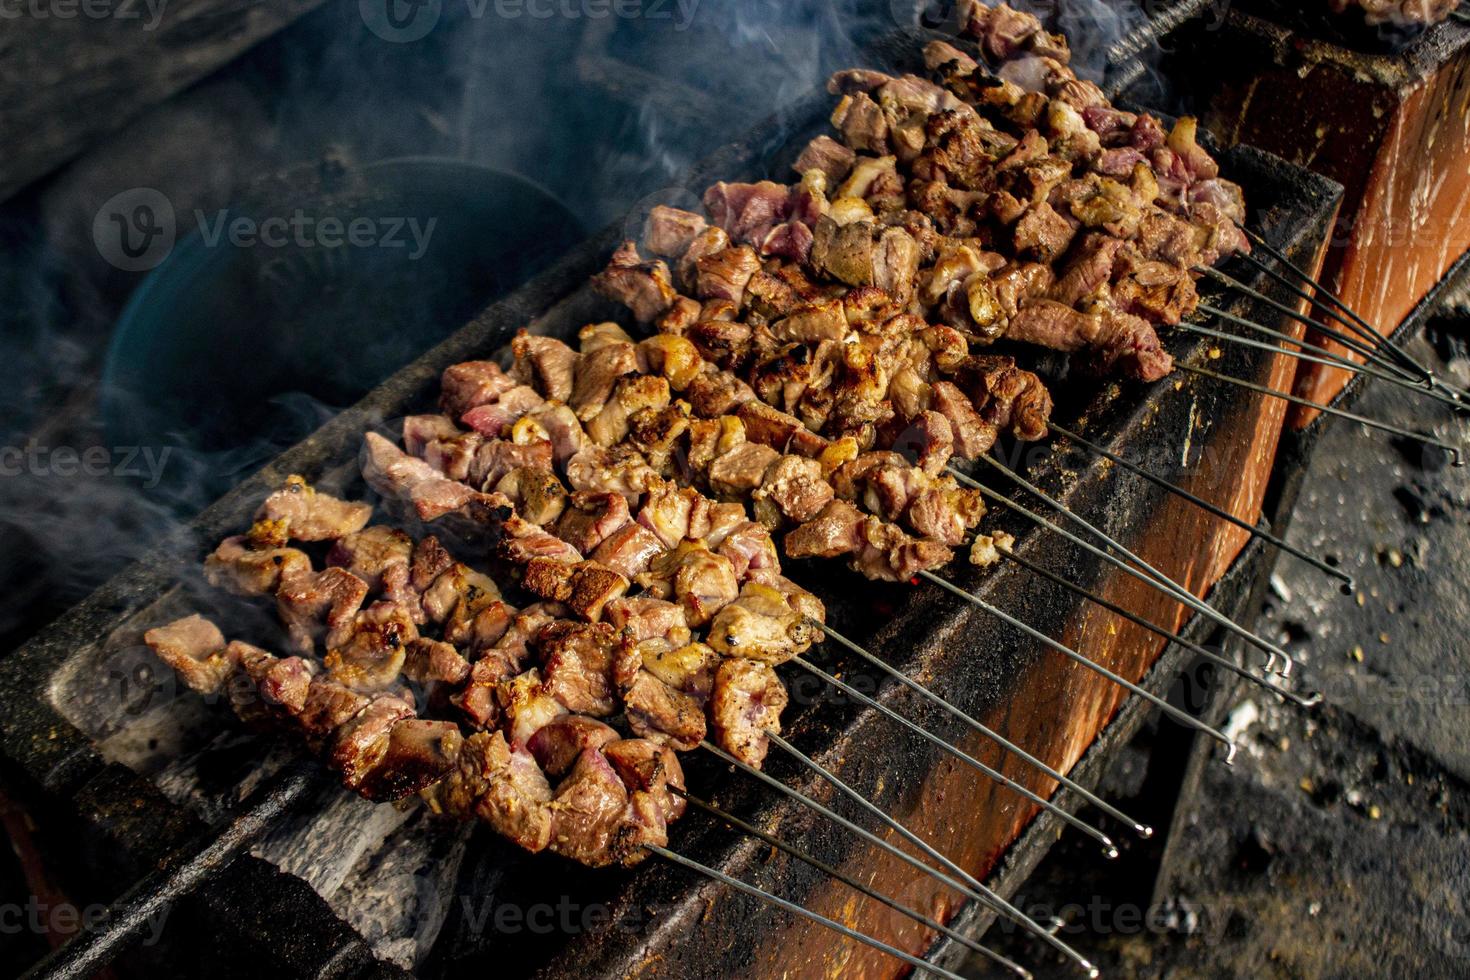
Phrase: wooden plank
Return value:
(1393, 129)
(75, 70)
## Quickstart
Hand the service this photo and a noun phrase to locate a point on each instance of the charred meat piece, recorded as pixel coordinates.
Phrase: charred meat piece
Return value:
(597, 373)
(361, 743)
(419, 753)
(578, 662)
(313, 603)
(696, 578)
(659, 712)
(311, 515)
(536, 494)
(517, 801)
(585, 587)
(379, 555)
(195, 649)
(466, 385)
(669, 231)
(368, 653)
(745, 707)
(644, 287)
(545, 364)
(499, 457)
(724, 274)
(973, 436)
(794, 488)
(558, 745)
(628, 550)
(398, 476)
(238, 568)
(526, 705)
(761, 625)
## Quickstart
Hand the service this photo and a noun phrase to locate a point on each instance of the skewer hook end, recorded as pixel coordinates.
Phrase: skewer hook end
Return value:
(1143, 830)
(1230, 750)
(1111, 852)
(1349, 586)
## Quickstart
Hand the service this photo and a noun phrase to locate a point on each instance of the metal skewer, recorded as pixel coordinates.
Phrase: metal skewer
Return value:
(1143, 830)
(1200, 502)
(851, 882)
(1179, 715)
(1353, 343)
(1388, 427)
(979, 892)
(1358, 325)
(1144, 571)
(792, 907)
(1309, 701)
(1316, 355)
(1109, 848)
(914, 839)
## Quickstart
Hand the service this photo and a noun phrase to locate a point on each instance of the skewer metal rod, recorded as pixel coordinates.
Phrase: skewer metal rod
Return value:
(795, 909)
(1109, 848)
(1388, 427)
(1203, 504)
(1177, 714)
(851, 882)
(1087, 546)
(981, 894)
(1351, 343)
(1316, 355)
(1143, 830)
(914, 839)
(1309, 701)
(1358, 325)
(1147, 571)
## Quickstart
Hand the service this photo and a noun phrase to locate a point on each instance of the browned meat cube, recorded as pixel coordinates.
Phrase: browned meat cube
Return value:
(591, 519)
(517, 803)
(644, 287)
(526, 705)
(419, 753)
(360, 744)
(420, 430)
(545, 364)
(662, 714)
(629, 550)
(588, 810)
(195, 649)
(558, 745)
(645, 766)
(578, 661)
(368, 654)
(745, 708)
(471, 383)
(311, 515)
(761, 625)
(312, 603)
(670, 230)
(238, 568)
(493, 419)
(537, 495)
(796, 486)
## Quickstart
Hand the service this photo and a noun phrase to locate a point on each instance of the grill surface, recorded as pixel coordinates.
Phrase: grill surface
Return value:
(89, 663)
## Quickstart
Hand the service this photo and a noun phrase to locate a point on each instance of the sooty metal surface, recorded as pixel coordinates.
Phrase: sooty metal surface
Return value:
(73, 698)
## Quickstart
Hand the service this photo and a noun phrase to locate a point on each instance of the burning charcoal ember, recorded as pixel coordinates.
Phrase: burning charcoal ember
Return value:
(745, 707)
(310, 515)
(236, 567)
(311, 604)
(195, 649)
(558, 745)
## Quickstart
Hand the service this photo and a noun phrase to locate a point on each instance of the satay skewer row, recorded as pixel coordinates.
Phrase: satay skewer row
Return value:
(508, 802)
(488, 370)
(483, 777)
